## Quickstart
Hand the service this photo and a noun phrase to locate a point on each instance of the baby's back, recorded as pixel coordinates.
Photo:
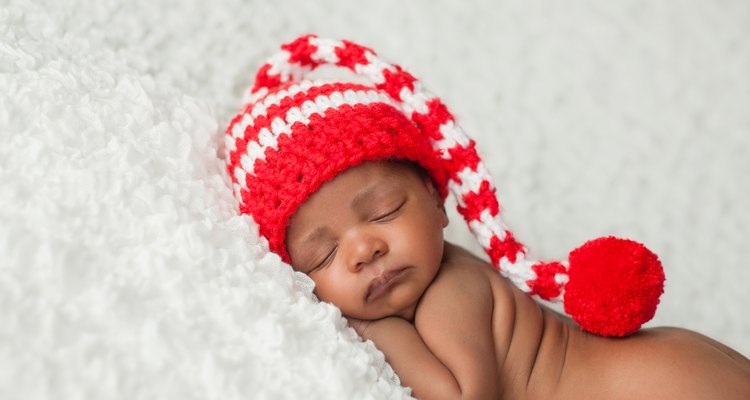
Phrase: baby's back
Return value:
(541, 354)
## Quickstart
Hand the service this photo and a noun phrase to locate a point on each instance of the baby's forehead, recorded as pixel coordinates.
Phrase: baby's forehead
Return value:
(354, 188)
(364, 180)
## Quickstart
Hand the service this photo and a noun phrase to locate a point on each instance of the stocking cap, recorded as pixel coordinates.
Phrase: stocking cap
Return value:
(294, 134)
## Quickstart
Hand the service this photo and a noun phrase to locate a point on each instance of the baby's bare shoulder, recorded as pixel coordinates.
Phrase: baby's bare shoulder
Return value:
(464, 274)
(457, 282)
(467, 279)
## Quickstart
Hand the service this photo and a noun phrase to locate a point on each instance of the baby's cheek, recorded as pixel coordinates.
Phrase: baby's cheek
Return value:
(336, 290)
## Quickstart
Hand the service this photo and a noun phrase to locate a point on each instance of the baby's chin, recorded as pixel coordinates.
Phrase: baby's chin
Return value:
(365, 315)
(404, 310)
(400, 301)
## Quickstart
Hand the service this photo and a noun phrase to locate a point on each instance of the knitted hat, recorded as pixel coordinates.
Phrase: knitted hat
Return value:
(295, 134)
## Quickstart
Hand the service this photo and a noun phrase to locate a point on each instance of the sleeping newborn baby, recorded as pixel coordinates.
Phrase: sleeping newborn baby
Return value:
(346, 181)
(452, 327)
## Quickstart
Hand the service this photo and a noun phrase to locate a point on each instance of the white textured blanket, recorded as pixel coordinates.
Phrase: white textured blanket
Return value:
(126, 273)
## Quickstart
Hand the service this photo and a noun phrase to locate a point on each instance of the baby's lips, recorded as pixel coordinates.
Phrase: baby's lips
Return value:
(382, 283)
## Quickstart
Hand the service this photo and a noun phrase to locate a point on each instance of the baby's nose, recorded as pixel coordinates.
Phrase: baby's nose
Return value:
(365, 250)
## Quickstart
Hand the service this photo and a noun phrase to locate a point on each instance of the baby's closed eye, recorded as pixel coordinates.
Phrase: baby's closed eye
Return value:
(388, 213)
(329, 256)
(322, 259)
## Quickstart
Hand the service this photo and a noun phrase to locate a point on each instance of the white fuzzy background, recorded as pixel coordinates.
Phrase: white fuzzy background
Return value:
(125, 273)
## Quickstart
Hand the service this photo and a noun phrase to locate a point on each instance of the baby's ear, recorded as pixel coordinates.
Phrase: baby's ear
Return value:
(427, 180)
(444, 215)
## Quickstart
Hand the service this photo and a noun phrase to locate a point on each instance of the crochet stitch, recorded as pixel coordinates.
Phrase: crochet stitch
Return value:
(295, 134)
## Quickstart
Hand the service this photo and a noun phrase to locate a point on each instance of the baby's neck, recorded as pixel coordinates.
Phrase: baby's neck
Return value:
(409, 312)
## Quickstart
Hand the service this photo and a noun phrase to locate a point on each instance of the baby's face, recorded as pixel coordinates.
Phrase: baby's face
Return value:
(371, 239)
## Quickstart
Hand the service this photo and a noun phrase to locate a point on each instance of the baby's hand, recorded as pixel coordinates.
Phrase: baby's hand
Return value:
(359, 325)
(376, 328)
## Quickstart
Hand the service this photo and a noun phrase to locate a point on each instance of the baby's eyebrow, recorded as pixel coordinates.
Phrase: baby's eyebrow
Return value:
(315, 235)
(363, 197)
(377, 190)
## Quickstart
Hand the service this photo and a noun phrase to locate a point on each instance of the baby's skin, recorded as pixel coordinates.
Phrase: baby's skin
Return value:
(452, 327)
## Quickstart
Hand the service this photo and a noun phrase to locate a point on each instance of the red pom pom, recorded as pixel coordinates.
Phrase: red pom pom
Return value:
(614, 286)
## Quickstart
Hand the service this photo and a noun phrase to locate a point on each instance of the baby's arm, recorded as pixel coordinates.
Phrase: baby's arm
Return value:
(449, 352)
(410, 357)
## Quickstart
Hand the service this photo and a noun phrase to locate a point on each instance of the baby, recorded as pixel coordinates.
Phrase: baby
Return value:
(346, 181)
(452, 327)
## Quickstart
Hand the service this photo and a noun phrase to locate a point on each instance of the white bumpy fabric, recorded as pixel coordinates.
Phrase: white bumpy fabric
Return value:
(125, 271)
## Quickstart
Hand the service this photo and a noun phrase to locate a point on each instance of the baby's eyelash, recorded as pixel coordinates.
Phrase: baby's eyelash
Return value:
(390, 213)
(326, 260)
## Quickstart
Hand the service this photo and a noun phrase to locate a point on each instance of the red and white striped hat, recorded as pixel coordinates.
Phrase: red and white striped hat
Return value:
(295, 134)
